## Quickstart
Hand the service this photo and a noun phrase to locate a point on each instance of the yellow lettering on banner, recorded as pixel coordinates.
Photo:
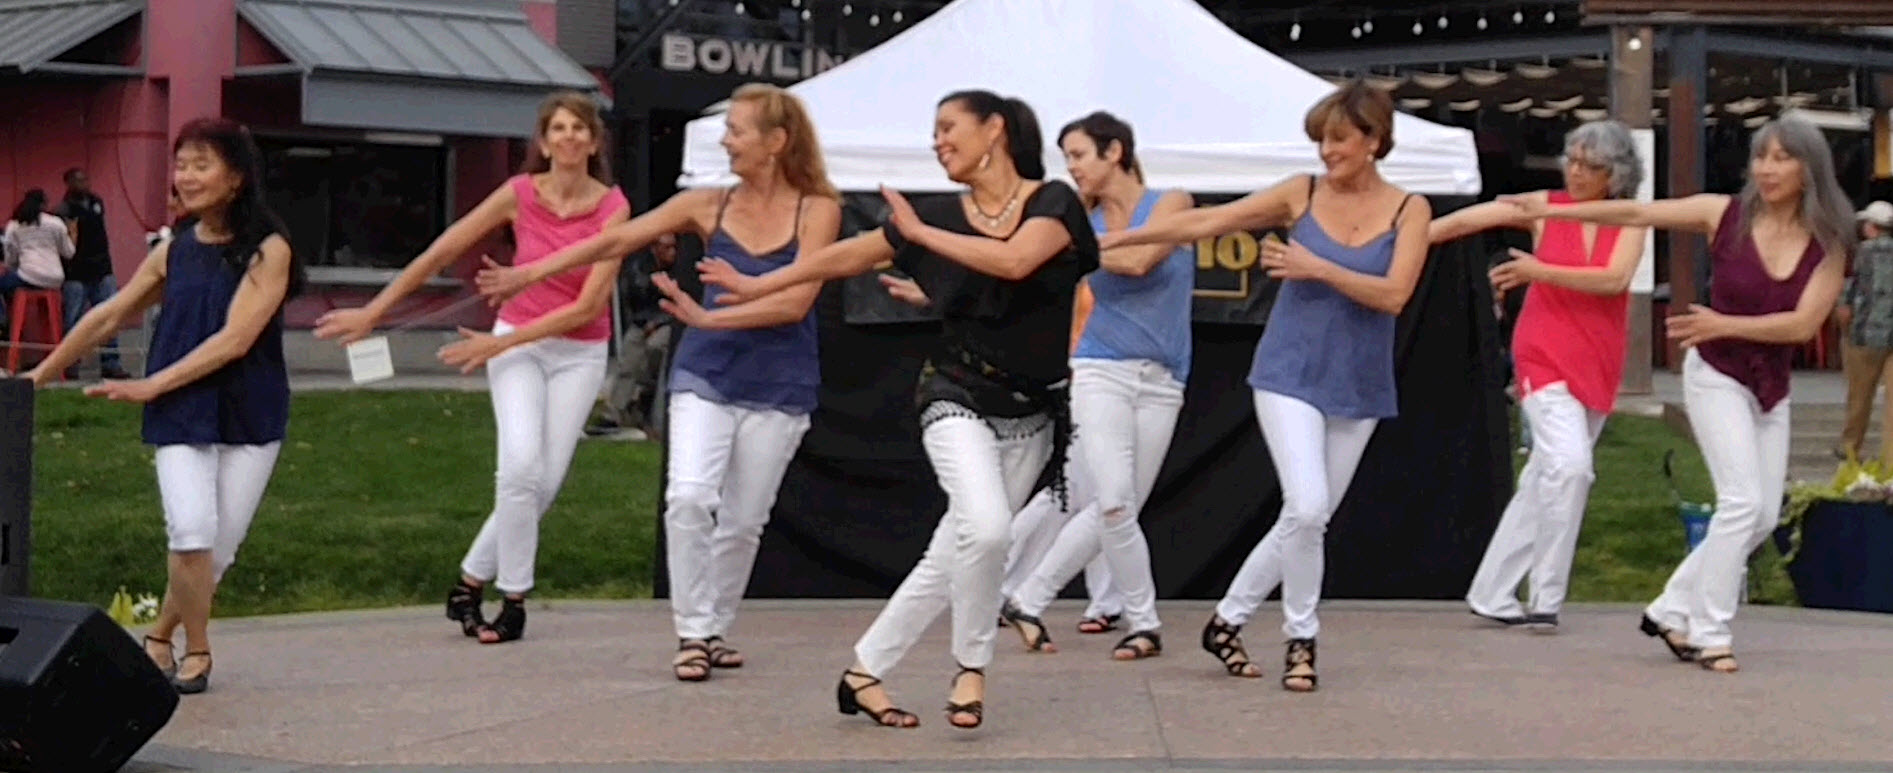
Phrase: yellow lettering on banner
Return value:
(1237, 251)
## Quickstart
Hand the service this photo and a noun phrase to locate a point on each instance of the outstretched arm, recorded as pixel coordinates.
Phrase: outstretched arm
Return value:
(1482, 217)
(475, 347)
(1612, 278)
(1262, 209)
(1386, 294)
(676, 214)
(141, 292)
(1701, 323)
(820, 224)
(1140, 259)
(351, 325)
(844, 258)
(1694, 214)
(1016, 257)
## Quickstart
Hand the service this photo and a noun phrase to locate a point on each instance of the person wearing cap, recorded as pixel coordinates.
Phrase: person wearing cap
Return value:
(1865, 315)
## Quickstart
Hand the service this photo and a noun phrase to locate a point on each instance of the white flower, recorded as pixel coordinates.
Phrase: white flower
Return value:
(146, 608)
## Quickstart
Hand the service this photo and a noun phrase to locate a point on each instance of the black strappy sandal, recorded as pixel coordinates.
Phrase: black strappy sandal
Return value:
(976, 709)
(700, 661)
(171, 652)
(723, 656)
(1710, 661)
(1225, 642)
(463, 606)
(509, 625)
(848, 700)
(1682, 650)
(1031, 629)
(195, 684)
(1152, 640)
(1298, 663)
(1099, 624)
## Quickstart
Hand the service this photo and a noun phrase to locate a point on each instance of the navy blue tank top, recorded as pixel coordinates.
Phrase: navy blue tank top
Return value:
(246, 402)
(772, 368)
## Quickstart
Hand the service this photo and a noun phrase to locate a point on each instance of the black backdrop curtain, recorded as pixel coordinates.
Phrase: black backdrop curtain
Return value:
(859, 502)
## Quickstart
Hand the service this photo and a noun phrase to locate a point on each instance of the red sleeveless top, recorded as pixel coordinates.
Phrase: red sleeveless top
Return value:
(1570, 336)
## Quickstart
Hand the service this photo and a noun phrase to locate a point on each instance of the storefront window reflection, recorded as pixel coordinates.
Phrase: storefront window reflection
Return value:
(356, 204)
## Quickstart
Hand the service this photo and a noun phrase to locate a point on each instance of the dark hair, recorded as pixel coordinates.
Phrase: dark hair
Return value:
(1022, 127)
(28, 212)
(1367, 108)
(1104, 129)
(598, 166)
(71, 173)
(249, 216)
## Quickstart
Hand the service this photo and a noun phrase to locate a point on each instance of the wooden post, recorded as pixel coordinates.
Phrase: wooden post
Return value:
(1689, 68)
(1632, 64)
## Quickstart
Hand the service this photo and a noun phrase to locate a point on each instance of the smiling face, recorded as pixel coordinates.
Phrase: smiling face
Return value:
(1345, 150)
(204, 180)
(1586, 177)
(1091, 167)
(751, 148)
(567, 140)
(960, 139)
(1780, 177)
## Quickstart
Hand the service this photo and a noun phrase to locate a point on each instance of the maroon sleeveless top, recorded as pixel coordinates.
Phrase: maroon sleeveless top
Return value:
(1739, 285)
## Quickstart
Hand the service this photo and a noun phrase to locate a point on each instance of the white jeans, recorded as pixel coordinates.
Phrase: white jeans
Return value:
(1037, 525)
(1315, 457)
(210, 494)
(542, 392)
(986, 479)
(1746, 451)
(726, 465)
(1125, 412)
(1538, 534)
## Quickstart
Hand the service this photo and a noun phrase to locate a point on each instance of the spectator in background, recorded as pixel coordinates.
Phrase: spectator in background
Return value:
(89, 280)
(36, 244)
(1865, 314)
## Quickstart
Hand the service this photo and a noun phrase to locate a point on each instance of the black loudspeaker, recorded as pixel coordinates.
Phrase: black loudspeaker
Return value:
(16, 484)
(76, 692)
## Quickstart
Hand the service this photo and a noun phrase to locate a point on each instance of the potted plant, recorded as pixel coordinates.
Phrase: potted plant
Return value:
(1837, 537)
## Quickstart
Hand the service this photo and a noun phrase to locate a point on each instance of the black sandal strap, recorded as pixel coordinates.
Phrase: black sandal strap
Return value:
(1225, 642)
(1127, 644)
(1019, 619)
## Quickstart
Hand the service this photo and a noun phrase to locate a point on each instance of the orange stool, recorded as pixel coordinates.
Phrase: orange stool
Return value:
(54, 317)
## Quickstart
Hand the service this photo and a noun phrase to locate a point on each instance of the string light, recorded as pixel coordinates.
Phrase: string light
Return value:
(1442, 21)
(1356, 32)
(1294, 31)
(805, 14)
(795, 3)
(1481, 24)
(1518, 17)
(739, 7)
(1416, 26)
(897, 16)
(846, 9)
(1367, 26)
(1550, 16)
(874, 20)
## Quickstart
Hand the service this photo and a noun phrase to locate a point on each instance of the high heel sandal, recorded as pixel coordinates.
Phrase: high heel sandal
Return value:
(1031, 629)
(509, 625)
(1298, 663)
(170, 653)
(1681, 649)
(1225, 642)
(195, 684)
(694, 667)
(463, 606)
(848, 700)
(1152, 646)
(974, 708)
(722, 656)
(1099, 624)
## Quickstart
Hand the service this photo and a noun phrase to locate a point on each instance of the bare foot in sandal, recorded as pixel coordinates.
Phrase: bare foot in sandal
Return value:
(692, 662)
(1719, 661)
(1139, 645)
(1225, 642)
(722, 655)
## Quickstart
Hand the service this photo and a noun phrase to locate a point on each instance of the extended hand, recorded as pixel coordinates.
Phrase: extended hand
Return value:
(905, 290)
(472, 350)
(1700, 323)
(345, 326)
(498, 283)
(1517, 272)
(900, 214)
(134, 391)
(1291, 260)
(737, 286)
(678, 303)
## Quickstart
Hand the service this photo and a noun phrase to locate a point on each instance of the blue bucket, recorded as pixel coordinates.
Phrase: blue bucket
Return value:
(1695, 517)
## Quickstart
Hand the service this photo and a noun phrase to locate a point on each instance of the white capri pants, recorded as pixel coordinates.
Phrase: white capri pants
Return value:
(210, 494)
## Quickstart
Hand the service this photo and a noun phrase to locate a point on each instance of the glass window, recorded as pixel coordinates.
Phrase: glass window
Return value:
(356, 204)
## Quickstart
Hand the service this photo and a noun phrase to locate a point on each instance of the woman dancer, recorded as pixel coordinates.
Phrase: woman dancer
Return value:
(1001, 263)
(1323, 371)
(1568, 352)
(216, 395)
(1128, 372)
(1778, 251)
(545, 357)
(745, 376)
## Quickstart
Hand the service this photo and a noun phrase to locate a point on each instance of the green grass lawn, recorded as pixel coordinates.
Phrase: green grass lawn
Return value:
(377, 495)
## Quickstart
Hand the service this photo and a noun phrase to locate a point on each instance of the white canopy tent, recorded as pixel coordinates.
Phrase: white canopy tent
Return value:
(1213, 112)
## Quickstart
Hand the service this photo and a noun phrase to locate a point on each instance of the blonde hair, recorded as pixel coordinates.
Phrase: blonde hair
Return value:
(598, 166)
(801, 160)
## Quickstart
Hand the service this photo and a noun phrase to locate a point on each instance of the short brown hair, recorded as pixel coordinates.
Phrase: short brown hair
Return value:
(1367, 108)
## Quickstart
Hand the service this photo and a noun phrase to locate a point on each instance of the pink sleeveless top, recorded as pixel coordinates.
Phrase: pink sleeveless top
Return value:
(1570, 336)
(539, 232)
(1740, 285)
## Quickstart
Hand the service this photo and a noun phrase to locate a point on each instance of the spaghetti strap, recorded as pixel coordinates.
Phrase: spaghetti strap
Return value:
(1400, 209)
(723, 205)
(795, 231)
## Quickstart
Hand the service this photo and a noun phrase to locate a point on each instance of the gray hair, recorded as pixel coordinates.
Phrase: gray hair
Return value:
(1609, 143)
(1826, 212)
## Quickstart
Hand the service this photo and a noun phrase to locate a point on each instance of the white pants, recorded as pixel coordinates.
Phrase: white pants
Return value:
(986, 479)
(542, 392)
(726, 465)
(1746, 451)
(1315, 457)
(210, 494)
(1125, 412)
(1538, 534)
(1037, 525)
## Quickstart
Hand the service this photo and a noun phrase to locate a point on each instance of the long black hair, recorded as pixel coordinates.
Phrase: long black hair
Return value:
(250, 218)
(1023, 142)
(28, 212)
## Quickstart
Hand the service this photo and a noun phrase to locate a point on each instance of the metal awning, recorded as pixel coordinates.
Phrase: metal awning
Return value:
(462, 67)
(33, 33)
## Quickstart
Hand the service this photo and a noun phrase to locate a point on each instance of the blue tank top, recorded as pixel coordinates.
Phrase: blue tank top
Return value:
(1321, 347)
(1141, 317)
(773, 368)
(245, 402)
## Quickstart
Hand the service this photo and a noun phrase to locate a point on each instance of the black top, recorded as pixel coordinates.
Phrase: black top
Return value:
(92, 257)
(1016, 334)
